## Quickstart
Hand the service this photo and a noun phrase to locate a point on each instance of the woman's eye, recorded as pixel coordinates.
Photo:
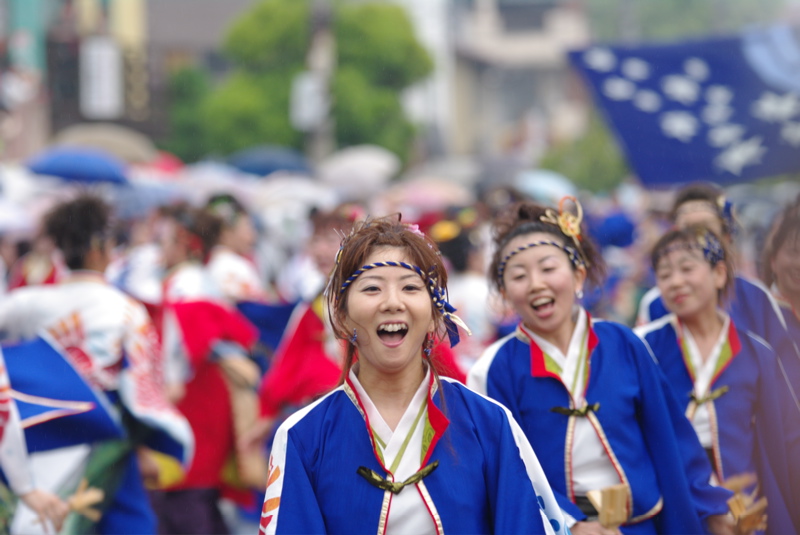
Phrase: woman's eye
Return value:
(370, 289)
(412, 288)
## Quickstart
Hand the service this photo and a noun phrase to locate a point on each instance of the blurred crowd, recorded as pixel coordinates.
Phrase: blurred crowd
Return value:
(198, 315)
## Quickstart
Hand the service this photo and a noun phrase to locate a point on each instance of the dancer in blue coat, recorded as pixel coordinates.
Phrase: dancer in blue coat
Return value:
(587, 393)
(750, 306)
(726, 378)
(395, 449)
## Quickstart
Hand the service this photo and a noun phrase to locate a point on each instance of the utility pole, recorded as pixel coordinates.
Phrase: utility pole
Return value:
(321, 61)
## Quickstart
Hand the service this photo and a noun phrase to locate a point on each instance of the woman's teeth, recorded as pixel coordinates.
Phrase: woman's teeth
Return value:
(392, 327)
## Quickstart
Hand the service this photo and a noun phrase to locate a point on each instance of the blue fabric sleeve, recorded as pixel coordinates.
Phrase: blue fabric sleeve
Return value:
(679, 459)
(777, 429)
(503, 394)
(512, 498)
(299, 511)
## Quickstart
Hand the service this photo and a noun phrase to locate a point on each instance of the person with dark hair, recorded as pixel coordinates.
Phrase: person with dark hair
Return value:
(206, 346)
(409, 451)
(109, 339)
(308, 361)
(726, 378)
(751, 306)
(460, 236)
(586, 392)
(230, 262)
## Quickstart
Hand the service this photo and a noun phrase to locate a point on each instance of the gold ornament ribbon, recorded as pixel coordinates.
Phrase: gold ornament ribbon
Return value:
(583, 411)
(376, 480)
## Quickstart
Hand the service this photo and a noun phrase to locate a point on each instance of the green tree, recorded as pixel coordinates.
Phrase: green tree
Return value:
(611, 20)
(377, 57)
(593, 161)
(187, 89)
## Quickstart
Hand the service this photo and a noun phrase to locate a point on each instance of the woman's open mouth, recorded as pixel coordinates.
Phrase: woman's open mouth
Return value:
(392, 333)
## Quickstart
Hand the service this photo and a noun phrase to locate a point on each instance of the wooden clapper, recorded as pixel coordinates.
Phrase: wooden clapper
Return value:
(611, 504)
(748, 513)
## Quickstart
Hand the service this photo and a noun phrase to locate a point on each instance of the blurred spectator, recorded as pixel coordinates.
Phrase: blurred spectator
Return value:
(109, 339)
(459, 235)
(231, 260)
(206, 345)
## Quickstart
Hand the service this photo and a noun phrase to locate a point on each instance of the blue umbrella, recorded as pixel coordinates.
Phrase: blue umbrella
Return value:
(138, 198)
(79, 164)
(265, 159)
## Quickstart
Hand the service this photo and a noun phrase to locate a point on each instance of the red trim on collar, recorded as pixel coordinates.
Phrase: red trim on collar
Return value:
(436, 417)
(538, 367)
(736, 346)
(366, 420)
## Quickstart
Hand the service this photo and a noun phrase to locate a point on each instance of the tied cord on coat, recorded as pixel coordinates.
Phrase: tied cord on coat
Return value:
(566, 411)
(376, 480)
(711, 396)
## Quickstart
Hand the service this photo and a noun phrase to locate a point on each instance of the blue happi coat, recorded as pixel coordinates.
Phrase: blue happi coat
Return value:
(481, 483)
(652, 446)
(753, 309)
(750, 422)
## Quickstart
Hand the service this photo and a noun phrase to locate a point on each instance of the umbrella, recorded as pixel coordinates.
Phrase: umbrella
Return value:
(138, 198)
(544, 185)
(424, 194)
(75, 164)
(123, 142)
(265, 159)
(359, 172)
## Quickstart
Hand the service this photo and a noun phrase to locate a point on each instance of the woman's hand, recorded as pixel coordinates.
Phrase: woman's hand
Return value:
(48, 506)
(721, 525)
(592, 528)
(253, 439)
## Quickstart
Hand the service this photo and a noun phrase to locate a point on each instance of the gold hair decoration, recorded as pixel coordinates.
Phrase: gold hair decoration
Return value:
(569, 223)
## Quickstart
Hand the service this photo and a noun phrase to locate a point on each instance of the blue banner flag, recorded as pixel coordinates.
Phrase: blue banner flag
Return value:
(725, 109)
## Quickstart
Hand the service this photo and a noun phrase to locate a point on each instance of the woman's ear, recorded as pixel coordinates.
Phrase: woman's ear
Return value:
(719, 274)
(580, 277)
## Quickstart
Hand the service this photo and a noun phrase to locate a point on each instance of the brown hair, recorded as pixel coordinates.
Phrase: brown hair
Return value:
(705, 192)
(786, 225)
(201, 225)
(526, 218)
(365, 237)
(696, 237)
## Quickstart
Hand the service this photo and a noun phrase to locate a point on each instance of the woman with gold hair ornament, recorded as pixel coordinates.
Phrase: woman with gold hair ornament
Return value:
(396, 448)
(587, 392)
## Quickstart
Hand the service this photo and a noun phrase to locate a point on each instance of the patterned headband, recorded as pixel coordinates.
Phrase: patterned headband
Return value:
(705, 241)
(573, 255)
(451, 321)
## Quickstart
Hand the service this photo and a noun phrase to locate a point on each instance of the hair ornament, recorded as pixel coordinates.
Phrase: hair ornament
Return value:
(569, 223)
(414, 228)
(712, 248)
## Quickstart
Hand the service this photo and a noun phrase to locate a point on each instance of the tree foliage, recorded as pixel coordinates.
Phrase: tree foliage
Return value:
(593, 161)
(187, 89)
(378, 56)
(612, 20)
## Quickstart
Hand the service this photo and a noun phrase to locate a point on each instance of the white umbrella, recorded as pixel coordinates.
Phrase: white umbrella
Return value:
(544, 185)
(359, 172)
